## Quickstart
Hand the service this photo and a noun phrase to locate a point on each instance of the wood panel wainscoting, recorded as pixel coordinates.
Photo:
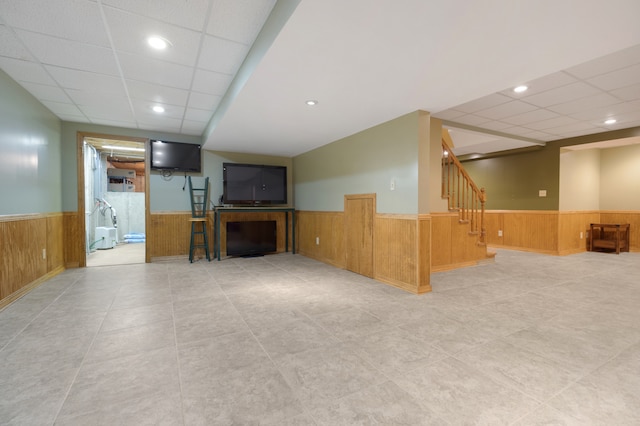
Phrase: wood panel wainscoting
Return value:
(320, 236)
(402, 249)
(32, 251)
(630, 217)
(453, 245)
(553, 232)
(169, 232)
(401, 246)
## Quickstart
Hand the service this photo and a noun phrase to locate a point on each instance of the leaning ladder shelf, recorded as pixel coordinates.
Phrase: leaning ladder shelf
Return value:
(199, 202)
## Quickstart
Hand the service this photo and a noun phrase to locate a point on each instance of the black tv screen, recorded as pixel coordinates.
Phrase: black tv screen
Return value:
(251, 238)
(175, 156)
(254, 184)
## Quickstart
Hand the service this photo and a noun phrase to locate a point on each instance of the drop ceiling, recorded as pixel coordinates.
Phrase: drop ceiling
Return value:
(239, 72)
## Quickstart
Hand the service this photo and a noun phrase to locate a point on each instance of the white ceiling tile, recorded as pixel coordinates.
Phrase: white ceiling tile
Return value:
(628, 93)
(10, 45)
(69, 54)
(161, 125)
(483, 103)
(204, 101)
(210, 82)
(590, 102)
(541, 136)
(607, 64)
(625, 118)
(87, 81)
(108, 112)
(570, 128)
(516, 130)
(602, 113)
(73, 118)
(155, 71)
(195, 128)
(529, 117)
(624, 77)
(144, 112)
(222, 56)
(553, 122)
(62, 108)
(57, 18)
(509, 109)
(26, 71)
(130, 124)
(552, 81)
(153, 92)
(496, 125)
(238, 20)
(189, 14)
(471, 120)
(449, 114)
(198, 115)
(45, 92)
(562, 94)
(130, 32)
(88, 98)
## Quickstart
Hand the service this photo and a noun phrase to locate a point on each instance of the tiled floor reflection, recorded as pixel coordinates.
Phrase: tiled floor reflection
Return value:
(285, 340)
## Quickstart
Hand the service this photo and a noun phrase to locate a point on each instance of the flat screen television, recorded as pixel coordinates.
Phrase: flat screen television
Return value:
(254, 184)
(175, 156)
(252, 238)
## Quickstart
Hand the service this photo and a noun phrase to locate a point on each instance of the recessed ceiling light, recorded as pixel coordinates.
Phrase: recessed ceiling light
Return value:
(610, 121)
(520, 89)
(158, 43)
(312, 102)
(158, 109)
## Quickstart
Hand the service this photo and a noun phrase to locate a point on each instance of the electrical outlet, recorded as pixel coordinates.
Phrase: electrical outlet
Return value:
(393, 185)
(44, 254)
(317, 241)
(499, 232)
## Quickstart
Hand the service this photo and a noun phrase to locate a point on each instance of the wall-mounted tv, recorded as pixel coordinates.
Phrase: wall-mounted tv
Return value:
(175, 156)
(254, 184)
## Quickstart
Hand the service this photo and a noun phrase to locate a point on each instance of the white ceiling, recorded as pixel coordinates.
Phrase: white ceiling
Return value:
(365, 61)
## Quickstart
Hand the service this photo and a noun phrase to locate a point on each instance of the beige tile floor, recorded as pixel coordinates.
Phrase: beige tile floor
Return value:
(285, 340)
(121, 254)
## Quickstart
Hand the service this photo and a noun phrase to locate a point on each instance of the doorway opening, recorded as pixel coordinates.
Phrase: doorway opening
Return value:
(114, 196)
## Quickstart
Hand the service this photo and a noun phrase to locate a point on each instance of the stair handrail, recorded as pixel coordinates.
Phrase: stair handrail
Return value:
(462, 193)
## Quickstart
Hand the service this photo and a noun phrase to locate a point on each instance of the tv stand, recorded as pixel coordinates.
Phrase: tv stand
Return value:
(219, 211)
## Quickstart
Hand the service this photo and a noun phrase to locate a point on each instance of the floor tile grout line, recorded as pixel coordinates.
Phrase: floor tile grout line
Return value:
(82, 362)
(175, 337)
(37, 315)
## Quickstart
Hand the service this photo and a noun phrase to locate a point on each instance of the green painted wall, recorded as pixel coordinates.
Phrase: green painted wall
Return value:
(513, 181)
(366, 162)
(165, 193)
(30, 174)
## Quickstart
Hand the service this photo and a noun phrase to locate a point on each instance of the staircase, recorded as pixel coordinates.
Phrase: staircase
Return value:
(462, 193)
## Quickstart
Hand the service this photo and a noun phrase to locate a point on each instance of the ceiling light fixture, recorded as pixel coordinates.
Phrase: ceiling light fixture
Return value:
(520, 89)
(123, 148)
(158, 109)
(158, 43)
(610, 121)
(311, 102)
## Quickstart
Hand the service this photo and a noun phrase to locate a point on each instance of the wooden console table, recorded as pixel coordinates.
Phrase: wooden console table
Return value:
(218, 211)
(610, 236)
